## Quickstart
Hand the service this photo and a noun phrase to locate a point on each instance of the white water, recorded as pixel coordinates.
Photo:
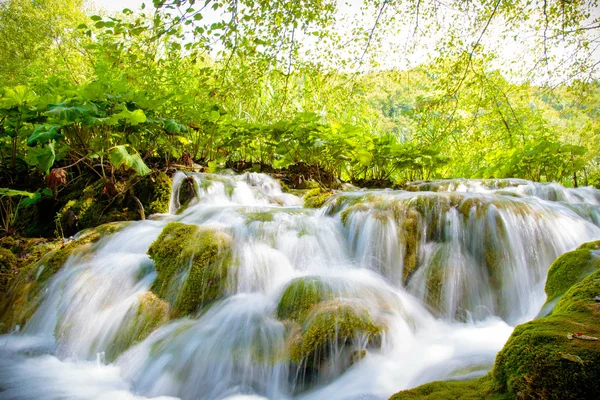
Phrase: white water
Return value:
(64, 351)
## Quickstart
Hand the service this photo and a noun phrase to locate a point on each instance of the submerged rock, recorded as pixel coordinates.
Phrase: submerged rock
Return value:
(334, 336)
(331, 326)
(23, 296)
(145, 317)
(192, 264)
(300, 296)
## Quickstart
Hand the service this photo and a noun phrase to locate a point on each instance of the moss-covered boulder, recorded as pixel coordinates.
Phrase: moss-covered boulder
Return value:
(590, 246)
(154, 192)
(567, 270)
(334, 325)
(149, 313)
(192, 264)
(300, 296)
(558, 356)
(315, 198)
(37, 266)
(472, 389)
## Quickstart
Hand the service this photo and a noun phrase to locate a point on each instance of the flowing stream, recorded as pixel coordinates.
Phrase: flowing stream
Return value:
(448, 268)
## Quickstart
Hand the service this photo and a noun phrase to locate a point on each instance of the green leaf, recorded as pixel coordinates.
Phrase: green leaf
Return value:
(212, 167)
(132, 117)
(120, 157)
(13, 193)
(44, 134)
(43, 157)
(172, 126)
(19, 96)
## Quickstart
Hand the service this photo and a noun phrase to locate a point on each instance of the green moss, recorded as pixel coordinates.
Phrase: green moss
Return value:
(93, 206)
(554, 357)
(410, 235)
(569, 269)
(543, 360)
(538, 360)
(345, 215)
(316, 197)
(154, 192)
(300, 296)
(473, 389)
(580, 297)
(8, 261)
(8, 268)
(309, 184)
(141, 320)
(284, 187)
(264, 216)
(333, 323)
(53, 261)
(435, 285)
(590, 246)
(192, 264)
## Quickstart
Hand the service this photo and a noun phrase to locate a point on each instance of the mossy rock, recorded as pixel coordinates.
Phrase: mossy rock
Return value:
(23, 295)
(154, 192)
(8, 267)
(308, 184)
(472, 389)
(333, 324)
(149, 314)
(188, 192)
(569, 269)
(93, 207)
(53, 261)
(300, 296)
(556, 357)
(315, 198)
(8, 261)
(410, 231)
(192, 264)
(590, 246)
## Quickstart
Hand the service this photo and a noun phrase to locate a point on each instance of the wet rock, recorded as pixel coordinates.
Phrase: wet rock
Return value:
(192, 263)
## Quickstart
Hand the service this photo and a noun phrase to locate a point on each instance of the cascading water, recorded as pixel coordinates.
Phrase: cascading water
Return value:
(408, 287)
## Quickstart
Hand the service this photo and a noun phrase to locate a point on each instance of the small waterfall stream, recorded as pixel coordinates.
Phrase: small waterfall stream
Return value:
(447, 269)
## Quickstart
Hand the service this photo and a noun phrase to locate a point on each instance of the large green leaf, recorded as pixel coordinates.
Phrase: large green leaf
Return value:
(120, 157)
(13, 193)
(42, 157)
(132, 117)
(44, 134)
(18, 96)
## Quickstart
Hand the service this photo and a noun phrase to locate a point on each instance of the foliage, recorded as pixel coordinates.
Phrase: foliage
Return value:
(252, 83)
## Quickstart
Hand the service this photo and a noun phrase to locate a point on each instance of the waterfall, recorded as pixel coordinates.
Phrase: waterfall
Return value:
(408, 287)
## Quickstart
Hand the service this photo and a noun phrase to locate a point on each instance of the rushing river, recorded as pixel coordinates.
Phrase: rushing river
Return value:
(448, 268)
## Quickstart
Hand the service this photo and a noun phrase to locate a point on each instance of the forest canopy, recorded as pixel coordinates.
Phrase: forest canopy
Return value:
(381, 90)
